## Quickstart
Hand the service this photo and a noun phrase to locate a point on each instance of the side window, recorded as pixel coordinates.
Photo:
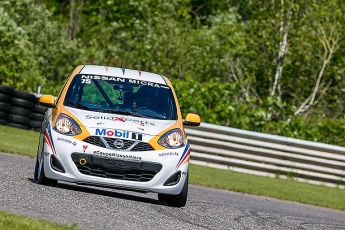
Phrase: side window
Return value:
(73, 91)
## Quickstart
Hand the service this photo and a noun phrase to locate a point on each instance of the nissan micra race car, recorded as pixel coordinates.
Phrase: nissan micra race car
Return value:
(119, 128)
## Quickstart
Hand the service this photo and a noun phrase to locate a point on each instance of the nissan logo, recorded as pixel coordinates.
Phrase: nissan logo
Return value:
(119, 143)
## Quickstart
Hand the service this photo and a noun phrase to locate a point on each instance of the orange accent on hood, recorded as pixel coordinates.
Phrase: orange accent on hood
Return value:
(61, 109)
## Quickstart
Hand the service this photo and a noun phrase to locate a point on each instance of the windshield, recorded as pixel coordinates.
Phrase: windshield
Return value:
(121, 96)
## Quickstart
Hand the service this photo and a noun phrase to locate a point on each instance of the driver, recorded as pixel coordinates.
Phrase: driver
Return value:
(147, 98)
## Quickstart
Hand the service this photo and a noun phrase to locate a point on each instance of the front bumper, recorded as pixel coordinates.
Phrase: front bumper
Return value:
(79, 162)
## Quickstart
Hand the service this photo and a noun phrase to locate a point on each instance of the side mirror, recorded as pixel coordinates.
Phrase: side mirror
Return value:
(47, 101)
(192, 120)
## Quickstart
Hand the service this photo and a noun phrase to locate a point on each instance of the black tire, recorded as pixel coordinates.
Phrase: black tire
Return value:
(3, 122)
(22, 103)
(37, 116)
(36, 170)
(5, 98)
(39, 109)
(20, 111)
(41, 177)
(25, 95)
(14, 118)
(6, 90)
(179, 200)
(5, 107)
(35, 124)
(19, 126)
(163, 197)
(3, 116)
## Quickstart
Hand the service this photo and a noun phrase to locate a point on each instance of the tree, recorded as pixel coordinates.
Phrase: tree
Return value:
(53, 57)
(18, 67)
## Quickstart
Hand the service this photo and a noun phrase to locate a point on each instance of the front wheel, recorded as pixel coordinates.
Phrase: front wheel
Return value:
(36, 170)
(163, 197)
(41, 177)
(178, 200)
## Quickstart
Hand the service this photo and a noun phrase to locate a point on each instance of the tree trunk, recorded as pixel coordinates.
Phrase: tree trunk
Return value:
(284, 28)
(71, 21)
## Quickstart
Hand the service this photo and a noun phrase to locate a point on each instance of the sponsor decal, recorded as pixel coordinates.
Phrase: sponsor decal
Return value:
(141, 129)
(111, 118)
(117, 155)
(85, 147)
(141, 82)
(67, 141)
(184, 173)
(48, 139)
(86, 79)
(168, 154)
(104, 78)
(185, 156)
(118, 133)
(140, 122)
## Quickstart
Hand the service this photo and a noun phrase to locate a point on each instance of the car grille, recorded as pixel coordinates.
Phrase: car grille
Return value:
(131, 174)
(113, 168)
(129, 145)
(95, 141)
(110, 142)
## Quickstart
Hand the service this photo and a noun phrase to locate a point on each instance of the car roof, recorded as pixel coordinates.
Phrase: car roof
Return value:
(123, 73)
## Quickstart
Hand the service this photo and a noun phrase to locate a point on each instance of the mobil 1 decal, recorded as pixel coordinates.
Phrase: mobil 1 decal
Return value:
(137, 136)
(118, 134)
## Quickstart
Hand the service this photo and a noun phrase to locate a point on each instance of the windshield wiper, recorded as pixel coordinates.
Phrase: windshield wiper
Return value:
(118, 111)
(77, 105)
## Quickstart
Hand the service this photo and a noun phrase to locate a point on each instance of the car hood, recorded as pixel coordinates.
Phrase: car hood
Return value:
(98, 120)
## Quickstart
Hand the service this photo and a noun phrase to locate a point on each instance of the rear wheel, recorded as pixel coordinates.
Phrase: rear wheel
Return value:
(41, 177)
(178, 200)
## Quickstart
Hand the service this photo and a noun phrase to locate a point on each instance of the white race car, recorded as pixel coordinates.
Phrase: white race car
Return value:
(116, 127)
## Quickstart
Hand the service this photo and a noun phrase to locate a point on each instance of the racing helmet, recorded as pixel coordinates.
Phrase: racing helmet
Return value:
(146, 97)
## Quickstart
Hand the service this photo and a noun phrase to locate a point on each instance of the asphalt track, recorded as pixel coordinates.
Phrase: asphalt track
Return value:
(100, 208)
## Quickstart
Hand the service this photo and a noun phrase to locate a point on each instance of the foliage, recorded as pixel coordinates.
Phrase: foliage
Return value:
(220, 104)
(14, 45)
(44, 54)
(221, 55)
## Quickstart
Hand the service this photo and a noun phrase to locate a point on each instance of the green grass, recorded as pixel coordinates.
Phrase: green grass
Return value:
(18, 222)
(18, 141)
(291, 190)
(24, 142)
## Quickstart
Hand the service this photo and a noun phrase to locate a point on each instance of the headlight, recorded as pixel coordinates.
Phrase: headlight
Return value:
(172, 139)
(66, 125)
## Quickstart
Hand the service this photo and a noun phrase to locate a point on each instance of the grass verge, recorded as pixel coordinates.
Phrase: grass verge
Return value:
(24, 142)
(18, 141)
(291, 190)
(19, 222)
